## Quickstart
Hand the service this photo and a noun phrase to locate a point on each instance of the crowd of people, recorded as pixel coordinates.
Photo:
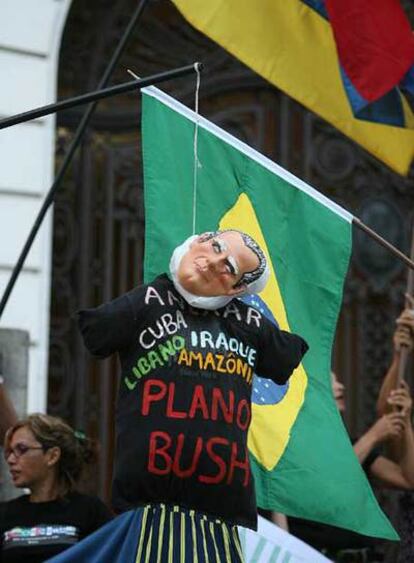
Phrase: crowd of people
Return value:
(163, 496)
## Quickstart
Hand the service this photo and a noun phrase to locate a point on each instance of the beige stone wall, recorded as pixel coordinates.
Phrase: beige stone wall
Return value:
(30, 35)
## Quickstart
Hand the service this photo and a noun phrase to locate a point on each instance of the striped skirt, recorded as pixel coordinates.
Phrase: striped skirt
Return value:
(156, 534)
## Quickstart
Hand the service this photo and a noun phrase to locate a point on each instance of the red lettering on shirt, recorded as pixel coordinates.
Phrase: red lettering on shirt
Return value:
(159, 451)
(198, 402)
(226, 410)
(243, 405)
(171, 413)
(178, 453)
(213, 480)
(148, 397)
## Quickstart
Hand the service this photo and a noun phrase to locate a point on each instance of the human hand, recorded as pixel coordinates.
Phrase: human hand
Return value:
(403, 335)
(403, 338)
(388, 426)
(401, 399)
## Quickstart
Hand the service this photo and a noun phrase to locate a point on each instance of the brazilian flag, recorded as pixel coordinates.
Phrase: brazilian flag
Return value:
(302, 459)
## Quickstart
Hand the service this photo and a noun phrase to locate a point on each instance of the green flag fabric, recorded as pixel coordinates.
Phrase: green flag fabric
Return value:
(302, 460)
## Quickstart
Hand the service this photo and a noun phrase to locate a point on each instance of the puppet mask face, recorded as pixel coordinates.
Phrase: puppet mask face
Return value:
(213, 267)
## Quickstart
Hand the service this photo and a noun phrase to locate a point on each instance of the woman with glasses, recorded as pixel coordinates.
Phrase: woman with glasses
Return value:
(47, 457)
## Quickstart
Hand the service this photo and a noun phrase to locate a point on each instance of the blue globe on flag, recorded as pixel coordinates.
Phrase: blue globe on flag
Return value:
(265, 391)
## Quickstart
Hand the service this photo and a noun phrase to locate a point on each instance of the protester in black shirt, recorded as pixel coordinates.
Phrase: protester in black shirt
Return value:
(188, 350)
(46, 456)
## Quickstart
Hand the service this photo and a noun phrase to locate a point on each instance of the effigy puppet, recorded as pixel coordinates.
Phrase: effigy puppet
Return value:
(188, 348)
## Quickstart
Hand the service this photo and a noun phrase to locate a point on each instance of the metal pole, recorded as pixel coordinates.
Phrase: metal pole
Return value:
(358, 223)
(69, 154)
(402, 365)
(128, 86)
(99, 95)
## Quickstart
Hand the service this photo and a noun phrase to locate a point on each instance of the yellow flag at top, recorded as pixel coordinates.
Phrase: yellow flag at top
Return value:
(292, 46)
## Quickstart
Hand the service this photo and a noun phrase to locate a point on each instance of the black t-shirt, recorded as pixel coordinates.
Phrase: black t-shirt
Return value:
(36, 531)
(184, 400)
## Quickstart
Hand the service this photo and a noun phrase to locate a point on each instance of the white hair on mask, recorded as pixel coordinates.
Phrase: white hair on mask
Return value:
(209, 303)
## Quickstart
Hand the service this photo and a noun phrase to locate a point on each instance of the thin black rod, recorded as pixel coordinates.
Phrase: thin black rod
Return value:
(69, 154)
(115, 90)
(402, 364)
(98, 95)
(358, 223)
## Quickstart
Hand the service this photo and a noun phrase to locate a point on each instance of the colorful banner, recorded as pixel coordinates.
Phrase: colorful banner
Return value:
(292, 44)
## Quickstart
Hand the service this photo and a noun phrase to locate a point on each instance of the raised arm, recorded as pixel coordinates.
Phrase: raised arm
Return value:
(403, 337)
(390, 425)
(400, 400)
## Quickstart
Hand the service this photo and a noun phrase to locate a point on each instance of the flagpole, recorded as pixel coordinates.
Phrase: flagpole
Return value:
(69, 154)
(408, 261)
(65, 104)
(99, 95)
(402, 363)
